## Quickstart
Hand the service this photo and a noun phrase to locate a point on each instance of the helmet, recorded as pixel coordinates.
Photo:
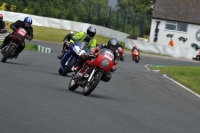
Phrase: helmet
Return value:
(1, 17)
(91, 31)
(27, 21)
(71, 32)
(113, 44)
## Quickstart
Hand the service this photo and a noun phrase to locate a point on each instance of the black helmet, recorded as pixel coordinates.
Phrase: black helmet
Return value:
(113, 44)
(91, 31)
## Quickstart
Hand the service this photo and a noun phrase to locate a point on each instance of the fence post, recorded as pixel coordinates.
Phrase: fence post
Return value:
(108, 22)
(117, 19)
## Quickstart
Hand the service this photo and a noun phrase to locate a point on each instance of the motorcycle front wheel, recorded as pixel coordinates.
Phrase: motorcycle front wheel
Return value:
(68, 67)
(8, 53)
(73, 85)
(89, 87)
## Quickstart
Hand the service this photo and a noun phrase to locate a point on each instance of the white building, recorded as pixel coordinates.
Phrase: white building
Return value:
(178, 20)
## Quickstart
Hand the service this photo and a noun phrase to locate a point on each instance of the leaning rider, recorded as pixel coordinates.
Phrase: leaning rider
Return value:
(79, 37)
(2, 24)
(26, 24)
(65, 47)
(112, 45)
(87, 37)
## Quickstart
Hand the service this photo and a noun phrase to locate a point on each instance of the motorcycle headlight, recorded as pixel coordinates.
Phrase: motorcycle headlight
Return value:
(104, 63)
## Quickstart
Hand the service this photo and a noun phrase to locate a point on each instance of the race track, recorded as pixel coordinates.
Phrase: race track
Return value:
(34, 98)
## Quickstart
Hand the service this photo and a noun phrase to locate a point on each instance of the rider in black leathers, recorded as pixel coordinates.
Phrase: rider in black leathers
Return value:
(65, 47)
(26, 24)
(2, 25)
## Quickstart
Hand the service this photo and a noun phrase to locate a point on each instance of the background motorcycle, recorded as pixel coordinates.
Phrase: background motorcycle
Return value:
(9, 51)
(135, 55)
(121, 53)
(77, 49)
(92, 71)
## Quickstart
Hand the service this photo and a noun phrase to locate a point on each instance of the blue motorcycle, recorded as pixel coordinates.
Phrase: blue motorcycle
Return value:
(71, 57)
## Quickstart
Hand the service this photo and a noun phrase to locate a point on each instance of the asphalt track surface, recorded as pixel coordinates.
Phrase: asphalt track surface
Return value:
(34, 98)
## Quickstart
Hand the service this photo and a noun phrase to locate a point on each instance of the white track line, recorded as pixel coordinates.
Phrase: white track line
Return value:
(146, 66)
(182, 86)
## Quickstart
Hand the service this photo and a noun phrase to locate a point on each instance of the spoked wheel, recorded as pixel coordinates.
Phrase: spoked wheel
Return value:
(73, 85)
(8, 53)
(89, 87)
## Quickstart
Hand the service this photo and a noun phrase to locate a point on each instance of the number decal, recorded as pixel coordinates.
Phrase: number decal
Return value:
(109, 55)
(22, 32)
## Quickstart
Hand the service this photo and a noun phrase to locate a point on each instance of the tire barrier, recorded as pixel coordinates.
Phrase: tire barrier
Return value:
(2, 36)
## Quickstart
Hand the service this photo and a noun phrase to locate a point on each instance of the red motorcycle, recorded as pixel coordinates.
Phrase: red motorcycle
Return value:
(121, 53)
(92, 71)
(9, 51)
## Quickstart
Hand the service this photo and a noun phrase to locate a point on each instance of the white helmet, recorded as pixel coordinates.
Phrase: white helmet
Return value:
(71, 32)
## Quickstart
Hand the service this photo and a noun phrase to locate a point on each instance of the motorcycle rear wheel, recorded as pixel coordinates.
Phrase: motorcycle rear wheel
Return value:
(8, 53)
(94, 82)
(68, 67)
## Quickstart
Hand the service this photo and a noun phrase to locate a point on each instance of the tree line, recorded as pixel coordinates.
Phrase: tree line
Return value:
(129, 16)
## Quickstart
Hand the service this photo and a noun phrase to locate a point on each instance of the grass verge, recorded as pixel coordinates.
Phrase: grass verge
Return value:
(56, 35)
(189, 76)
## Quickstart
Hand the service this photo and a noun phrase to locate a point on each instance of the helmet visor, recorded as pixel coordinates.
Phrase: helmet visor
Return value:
(27, 24)
(91, 34)
(113, 48)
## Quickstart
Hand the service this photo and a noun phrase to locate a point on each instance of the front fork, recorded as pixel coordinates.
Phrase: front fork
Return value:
(91, 75)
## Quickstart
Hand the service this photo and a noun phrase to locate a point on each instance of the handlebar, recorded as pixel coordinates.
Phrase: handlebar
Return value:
(28, 38)
(3, 30)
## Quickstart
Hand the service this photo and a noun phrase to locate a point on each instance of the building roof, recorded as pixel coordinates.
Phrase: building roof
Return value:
(178, 10)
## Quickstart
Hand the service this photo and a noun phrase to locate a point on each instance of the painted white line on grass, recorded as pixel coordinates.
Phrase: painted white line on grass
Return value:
(146, 66)
(182, 85)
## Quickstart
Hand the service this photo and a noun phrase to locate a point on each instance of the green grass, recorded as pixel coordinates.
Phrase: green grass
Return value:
(189, 76)
(57, 35)
(32, 47)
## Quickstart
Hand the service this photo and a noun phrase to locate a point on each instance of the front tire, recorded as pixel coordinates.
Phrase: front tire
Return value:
(60, 71)
(8, 53)
(68, 68)
(73, 85)
(94, 82)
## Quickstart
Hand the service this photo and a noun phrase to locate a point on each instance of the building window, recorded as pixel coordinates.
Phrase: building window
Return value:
(176, 26)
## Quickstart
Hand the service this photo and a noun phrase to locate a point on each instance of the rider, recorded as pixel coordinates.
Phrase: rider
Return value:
(26, 24)
(68, 37)
(87, 37)
(120, 50)
(2, 24)
(112, 45)
(135, 48)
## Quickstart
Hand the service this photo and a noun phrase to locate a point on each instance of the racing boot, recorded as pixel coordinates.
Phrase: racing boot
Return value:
(60, 56)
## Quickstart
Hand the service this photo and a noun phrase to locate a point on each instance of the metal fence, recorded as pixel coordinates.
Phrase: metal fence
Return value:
(118, 19)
